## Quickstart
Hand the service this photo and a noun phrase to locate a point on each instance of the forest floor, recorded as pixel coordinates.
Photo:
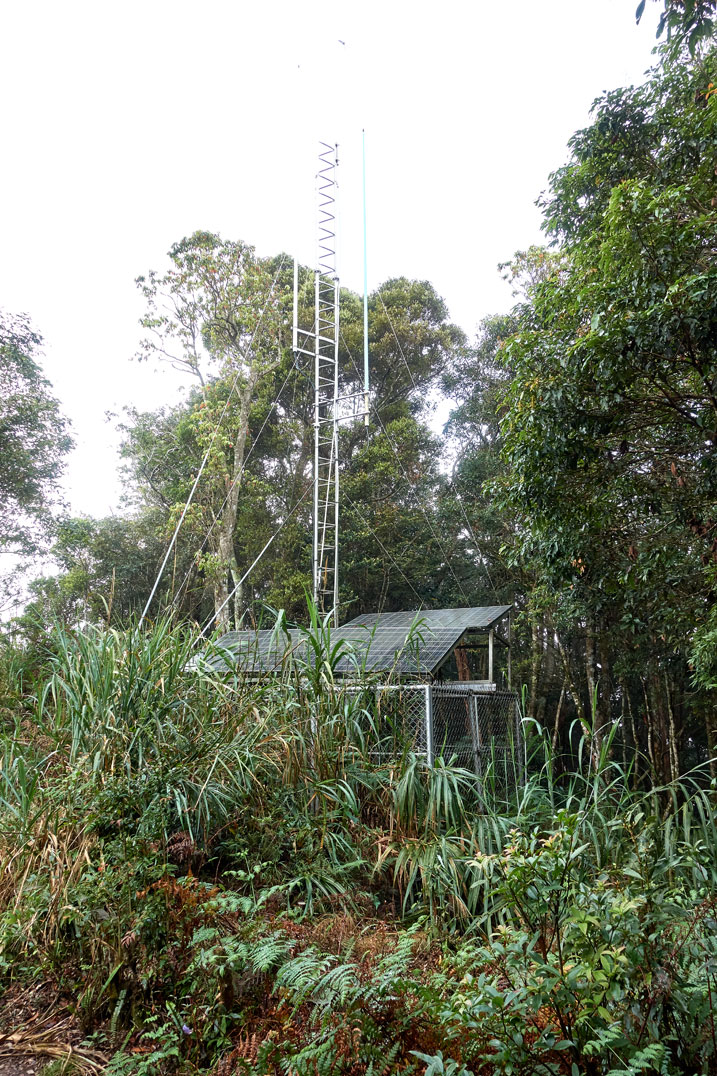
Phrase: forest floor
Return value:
(37, 1027)
(21, 1065)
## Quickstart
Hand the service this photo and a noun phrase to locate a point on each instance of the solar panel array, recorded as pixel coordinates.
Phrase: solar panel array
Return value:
(408, 642)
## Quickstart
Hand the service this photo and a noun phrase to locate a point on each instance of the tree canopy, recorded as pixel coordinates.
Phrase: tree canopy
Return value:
(34, 439)
(611, 415)
(612, 420)
(391, 480)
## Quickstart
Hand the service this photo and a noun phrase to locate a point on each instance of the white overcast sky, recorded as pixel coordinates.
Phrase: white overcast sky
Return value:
(127, 126)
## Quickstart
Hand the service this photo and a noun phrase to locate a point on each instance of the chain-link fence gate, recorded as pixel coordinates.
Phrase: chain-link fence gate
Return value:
(479, 730)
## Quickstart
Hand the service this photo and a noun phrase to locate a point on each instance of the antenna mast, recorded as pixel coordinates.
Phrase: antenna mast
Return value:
(329, 407)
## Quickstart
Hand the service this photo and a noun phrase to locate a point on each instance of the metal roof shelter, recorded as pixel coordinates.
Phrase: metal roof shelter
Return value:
(466, 720)
(410, 643)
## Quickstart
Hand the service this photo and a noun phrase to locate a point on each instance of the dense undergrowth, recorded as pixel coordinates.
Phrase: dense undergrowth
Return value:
(227, 877)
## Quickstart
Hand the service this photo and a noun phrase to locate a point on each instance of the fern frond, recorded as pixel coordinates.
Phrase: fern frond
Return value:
(269, 952)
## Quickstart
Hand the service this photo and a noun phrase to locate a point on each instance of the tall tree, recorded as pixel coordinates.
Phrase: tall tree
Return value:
(611, 424)
(216, 314)
(34, 439)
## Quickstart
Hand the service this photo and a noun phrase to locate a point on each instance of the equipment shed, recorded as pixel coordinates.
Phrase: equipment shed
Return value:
(444, 675)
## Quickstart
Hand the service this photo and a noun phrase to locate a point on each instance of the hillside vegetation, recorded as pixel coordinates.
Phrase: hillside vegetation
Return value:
(203, 874)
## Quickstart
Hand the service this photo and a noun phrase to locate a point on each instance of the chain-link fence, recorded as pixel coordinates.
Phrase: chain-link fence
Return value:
(400, 714)
(464, 723)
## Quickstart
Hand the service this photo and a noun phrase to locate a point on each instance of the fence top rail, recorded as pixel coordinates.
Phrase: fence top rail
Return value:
(359, 685)
(465, 687)
(459, 687)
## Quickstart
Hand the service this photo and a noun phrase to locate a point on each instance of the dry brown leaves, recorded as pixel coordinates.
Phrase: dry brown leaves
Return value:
(50, 1035)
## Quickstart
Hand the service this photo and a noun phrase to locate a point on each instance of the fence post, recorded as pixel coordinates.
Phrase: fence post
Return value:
(519, 743)
(429, 724)
(476, 736)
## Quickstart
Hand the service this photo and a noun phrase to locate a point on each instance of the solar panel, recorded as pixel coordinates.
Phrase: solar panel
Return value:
(385, 647)
(253, 651)
(374, 642)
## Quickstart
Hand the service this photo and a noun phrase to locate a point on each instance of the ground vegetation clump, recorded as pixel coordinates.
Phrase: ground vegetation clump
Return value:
(204, 874)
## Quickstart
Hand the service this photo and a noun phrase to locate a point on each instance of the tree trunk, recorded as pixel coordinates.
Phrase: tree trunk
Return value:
(658, 731)
(672, 725)
(663, 729)
(536, 653)
(558, 719)
(593, 733)
(604, 684)
(224, 547)
(577, 699)
(711, 733)
(650, 737)
(221, 603)
(464, 670)
(627, 708)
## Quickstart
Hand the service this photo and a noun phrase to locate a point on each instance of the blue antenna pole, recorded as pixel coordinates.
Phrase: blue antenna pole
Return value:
(365, 296)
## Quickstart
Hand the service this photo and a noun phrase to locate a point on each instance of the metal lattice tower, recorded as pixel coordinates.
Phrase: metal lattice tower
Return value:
(326, 392)
(330, 408)
(325, 350)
